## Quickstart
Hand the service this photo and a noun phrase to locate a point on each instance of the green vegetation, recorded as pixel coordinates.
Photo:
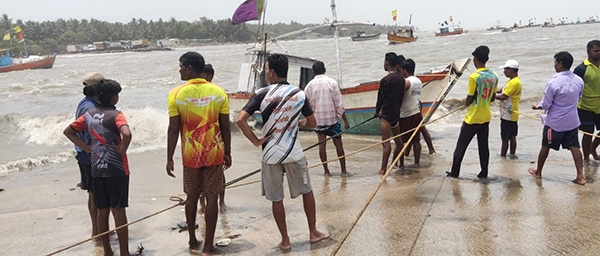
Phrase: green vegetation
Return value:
(47, 37)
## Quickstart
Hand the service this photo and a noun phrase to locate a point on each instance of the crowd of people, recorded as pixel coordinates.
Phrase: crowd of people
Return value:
(199, 114)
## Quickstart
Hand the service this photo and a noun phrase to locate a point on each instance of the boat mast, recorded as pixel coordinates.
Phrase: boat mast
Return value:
(337, 43)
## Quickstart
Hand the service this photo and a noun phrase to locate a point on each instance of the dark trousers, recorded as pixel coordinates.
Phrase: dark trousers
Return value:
(467, 132)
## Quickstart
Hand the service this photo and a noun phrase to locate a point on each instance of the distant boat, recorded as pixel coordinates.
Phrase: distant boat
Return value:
(402, 34)
(362, 36)
(548, 25)
(8, 63)
(449, 29)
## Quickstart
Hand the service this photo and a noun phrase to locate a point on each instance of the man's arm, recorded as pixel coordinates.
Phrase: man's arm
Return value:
(471, 91)
(172, 138)
(226, 136)
(125, 139)
(308, 123)
(406, 84)
(242, 123)
(72, 136)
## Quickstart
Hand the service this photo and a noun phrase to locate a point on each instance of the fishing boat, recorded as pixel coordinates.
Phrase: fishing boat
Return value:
(8, 63)
(362, 36)
(402, 35)
(359, 100)
(447, 29)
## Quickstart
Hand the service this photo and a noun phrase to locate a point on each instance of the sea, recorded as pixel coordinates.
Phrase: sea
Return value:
(37, 105)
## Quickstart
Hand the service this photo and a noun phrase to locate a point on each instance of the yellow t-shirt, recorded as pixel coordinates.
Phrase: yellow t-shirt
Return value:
(482, 85)
(198, 103)
(510, 106)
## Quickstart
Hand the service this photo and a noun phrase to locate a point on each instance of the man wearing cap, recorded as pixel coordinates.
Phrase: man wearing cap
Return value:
(89, 102)
(480, 94)
(509, 96)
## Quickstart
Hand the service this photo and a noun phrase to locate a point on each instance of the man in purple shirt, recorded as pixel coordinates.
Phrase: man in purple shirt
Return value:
(561, 120)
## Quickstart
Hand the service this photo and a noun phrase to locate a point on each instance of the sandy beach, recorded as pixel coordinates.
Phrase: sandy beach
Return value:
(417, 211)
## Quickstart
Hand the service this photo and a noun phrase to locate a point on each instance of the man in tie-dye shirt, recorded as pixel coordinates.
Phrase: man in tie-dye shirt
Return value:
(199, 112)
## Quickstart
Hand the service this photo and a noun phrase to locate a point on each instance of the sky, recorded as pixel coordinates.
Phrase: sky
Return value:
(427, 14)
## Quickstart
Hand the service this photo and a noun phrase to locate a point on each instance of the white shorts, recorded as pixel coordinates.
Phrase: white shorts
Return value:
(297, 176)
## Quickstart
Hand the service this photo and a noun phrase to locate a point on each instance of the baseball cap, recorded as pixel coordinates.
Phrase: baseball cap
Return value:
(511, 64)
(92, 78)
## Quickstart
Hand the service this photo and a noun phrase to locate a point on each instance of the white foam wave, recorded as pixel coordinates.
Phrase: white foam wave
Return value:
(31, 162)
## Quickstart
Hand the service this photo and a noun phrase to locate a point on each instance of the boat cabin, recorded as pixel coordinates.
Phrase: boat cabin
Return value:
(6, 58)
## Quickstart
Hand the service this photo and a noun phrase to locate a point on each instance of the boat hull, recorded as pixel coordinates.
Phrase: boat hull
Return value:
(360, 100)
(365, 38)
(396, 39)
(455, 32)
(44, 63)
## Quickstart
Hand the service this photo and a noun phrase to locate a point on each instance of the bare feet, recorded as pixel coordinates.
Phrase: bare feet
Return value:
(346, 174)
(195, 244)
(201, 209)
(223, 206)
(327, 173)
(535, 172)
(586, 163)
(284, 245)
(211, 251)
(381, 172)
(432, 152)
(318, 236)
(580, 181)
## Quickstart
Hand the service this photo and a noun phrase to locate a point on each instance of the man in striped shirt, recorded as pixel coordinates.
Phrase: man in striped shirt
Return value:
(325, 97)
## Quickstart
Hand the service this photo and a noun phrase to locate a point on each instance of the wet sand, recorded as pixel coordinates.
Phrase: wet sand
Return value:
(418, 211)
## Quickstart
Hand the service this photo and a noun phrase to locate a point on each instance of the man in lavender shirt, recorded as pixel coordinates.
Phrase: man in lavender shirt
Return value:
(561, 120)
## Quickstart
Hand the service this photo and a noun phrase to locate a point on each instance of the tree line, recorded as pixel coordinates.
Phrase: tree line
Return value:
(45, 37)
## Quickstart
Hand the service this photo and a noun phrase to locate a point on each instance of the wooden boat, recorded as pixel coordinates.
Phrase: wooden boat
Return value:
(360, 100)
(362, 36)
(402, 35)
(8, 63)
(446, 32)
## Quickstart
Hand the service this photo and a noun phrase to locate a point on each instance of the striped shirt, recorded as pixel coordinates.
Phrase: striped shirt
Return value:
(280, 106)
(325, 97)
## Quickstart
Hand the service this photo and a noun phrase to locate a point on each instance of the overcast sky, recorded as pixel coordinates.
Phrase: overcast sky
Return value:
(426, 13)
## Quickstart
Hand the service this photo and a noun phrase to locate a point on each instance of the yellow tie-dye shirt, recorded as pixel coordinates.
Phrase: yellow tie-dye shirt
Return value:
(198, 103)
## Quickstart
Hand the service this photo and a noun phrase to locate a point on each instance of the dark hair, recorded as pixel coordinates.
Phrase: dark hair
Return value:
(88, 91)
(279, 64)
(391, 58)
(593, 43)
(208, 69)
(482, 53)
(409, 66)
(400, 58)
(193, 59)
(319, 68)
(565, 58)
(106, 89)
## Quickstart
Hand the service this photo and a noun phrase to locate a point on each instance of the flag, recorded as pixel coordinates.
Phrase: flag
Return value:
(20, 37)
(7, 37)
(394, 12)
(450, 18)
(248, 10)
(17, 29)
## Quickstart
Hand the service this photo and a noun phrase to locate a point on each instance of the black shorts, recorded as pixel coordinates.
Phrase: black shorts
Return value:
(330, 130)
(111, 192)
(566, 139)
(508, 129)
(588, 120)
(86, 176)
(393, 119)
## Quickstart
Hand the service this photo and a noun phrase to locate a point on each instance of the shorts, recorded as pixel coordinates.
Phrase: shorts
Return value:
(297, 176)
(566, 139)
(508, 129)
(208, 180)
(393, 121)
(588, 120)
(408, 123)
(334, 130)
(111, 192)
(86, 176)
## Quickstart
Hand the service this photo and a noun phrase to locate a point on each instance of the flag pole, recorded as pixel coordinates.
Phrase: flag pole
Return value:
(337, 42)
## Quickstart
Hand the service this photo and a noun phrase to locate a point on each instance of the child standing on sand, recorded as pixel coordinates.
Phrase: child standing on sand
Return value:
(110, 136)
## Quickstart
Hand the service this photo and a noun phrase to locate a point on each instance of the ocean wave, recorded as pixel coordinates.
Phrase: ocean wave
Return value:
(31, 162)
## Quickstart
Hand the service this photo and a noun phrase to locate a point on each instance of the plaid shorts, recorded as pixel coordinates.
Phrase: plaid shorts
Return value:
(209, 179)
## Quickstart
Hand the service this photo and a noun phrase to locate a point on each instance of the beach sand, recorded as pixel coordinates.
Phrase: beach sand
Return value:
(417, 211)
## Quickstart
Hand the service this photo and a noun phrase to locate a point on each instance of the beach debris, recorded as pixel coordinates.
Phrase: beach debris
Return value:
(1, 189)
(182, 226)
(140, 250)
(234, 236)
(59, 218)
(71, 189)
(223, 242)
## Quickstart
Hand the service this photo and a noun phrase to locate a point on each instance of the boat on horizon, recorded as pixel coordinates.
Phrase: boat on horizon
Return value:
(449, 29)
(362, 36)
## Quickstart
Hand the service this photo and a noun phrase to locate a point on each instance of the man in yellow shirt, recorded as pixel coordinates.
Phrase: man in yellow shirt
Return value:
(199, 112)
(510, 96)
(480, 94)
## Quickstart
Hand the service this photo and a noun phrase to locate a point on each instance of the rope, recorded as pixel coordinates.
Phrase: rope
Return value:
(415, 131)
(338, 134)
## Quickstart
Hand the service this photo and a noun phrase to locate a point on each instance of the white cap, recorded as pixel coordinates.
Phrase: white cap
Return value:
(511, 64)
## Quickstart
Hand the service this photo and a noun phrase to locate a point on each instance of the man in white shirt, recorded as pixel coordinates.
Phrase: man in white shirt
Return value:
(410, 111)
(325, 98)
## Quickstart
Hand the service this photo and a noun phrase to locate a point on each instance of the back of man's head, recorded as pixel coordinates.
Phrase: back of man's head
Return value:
(482, 53)
(193, 59)
(391, 58)
(565, 58)
(409, 66)
(319, 68)
(279, 64)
